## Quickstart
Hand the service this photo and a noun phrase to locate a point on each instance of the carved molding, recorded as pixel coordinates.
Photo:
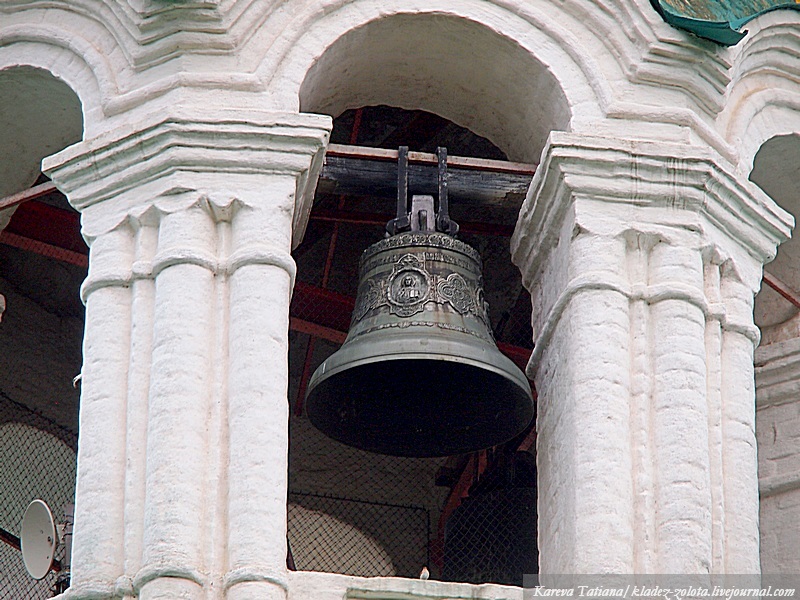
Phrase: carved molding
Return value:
(677, 189)
(164, 158)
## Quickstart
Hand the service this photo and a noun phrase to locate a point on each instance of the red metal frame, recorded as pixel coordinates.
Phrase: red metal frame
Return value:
(36, 191)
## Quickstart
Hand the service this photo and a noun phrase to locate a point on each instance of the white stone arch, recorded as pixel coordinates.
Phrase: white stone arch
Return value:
(776, 169)
(317, 50)
(764, 95)
(769, 113)
(54, 81)
(763, 112)
(68, 56)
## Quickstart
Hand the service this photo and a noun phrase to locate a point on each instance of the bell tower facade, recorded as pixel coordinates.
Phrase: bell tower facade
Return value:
(641, 240)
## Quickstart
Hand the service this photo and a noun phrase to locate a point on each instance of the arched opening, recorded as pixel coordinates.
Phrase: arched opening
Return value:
(408, 506)
(776, 170)
(39, 115)
(43, 261)
(458, 69)
(427, 81)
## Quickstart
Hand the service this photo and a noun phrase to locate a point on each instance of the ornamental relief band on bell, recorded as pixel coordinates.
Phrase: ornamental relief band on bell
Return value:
(431, 240)
(436, 257)
(410, 286)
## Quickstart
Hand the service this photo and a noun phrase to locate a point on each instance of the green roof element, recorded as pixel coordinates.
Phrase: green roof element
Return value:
(717, 20)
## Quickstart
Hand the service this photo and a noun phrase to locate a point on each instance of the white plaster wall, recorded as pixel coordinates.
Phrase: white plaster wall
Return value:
(778, 434)
(328, 586)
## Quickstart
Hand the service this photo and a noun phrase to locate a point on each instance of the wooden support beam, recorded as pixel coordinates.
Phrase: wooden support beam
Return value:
(423, 158)
(363, 218)
(361, 171)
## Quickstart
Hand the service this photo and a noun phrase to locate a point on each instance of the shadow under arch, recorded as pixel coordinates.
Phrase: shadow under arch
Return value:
(451, 66)
(776, 170)
(39, 115)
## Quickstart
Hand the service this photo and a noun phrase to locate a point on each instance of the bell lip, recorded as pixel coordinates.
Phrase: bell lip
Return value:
(514, 371)
(417, 453)
(524, 399)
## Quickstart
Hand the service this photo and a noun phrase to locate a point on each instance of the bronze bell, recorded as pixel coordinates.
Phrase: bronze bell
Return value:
(419, 373)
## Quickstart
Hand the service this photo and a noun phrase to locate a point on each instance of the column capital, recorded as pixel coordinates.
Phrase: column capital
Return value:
(675, 191)
(174, 152)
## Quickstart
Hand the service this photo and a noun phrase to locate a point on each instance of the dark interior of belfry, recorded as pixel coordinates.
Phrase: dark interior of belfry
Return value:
(458, 513)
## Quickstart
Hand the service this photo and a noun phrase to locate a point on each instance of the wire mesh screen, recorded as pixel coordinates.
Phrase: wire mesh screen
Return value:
(355, 537)
(357, 513)
(37, 460)
(491, 536)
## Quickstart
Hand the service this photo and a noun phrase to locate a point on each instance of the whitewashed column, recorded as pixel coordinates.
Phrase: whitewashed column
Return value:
(142, 305)
(181, 378)
(585, 392)
(97, 555)
(642, 268)
(184, 417)
(262, 275)
(679, 419)
(739, 339)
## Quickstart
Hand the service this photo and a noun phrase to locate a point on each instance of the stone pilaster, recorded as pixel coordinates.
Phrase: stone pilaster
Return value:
(182, 474)
(642, 260)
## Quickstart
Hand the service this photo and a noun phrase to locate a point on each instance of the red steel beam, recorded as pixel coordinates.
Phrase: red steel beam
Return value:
(9, 538)
(36, 191)
(783, 289)
(318, 331)
(43, 249)
(519, 355)
(322, 307)
(48, 224)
